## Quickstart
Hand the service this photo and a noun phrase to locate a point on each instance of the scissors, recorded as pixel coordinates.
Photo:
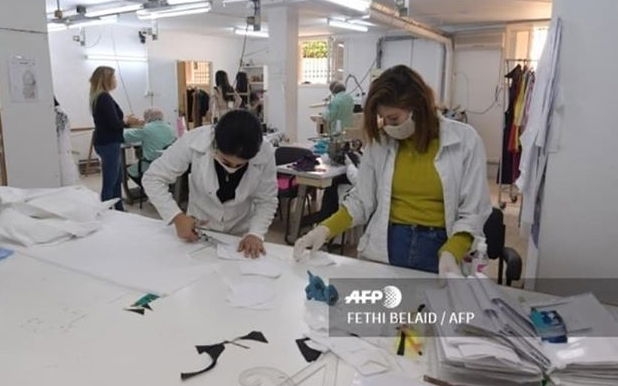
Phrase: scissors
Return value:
(206, 238)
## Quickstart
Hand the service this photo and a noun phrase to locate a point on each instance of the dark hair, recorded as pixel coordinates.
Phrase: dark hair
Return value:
(242, 87)
(402, 87)
(239, 133)
(223, 83)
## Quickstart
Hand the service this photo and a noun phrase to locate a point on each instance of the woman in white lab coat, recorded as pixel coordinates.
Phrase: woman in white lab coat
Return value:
(232, 184)
(422, 183)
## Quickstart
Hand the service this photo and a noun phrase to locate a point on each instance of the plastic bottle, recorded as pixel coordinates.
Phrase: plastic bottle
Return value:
(480, 260)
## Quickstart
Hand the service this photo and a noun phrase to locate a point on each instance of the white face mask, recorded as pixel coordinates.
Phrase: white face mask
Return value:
(228, 169)
(402, 131)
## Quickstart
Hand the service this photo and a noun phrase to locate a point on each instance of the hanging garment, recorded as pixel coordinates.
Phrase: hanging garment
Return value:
(68, 169)
(539, 137)
(507, 160)
(214, 351)
(197, 116)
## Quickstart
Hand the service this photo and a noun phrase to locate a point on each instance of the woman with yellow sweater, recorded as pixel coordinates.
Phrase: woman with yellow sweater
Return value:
(422, 187)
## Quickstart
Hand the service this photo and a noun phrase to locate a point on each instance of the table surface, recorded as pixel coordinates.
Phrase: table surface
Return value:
(60, 327)
(323, 171)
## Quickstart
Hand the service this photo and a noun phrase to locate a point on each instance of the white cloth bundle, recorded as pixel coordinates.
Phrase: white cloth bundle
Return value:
(38, 216)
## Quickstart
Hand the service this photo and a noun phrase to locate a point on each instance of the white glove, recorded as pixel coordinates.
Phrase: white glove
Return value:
(448, 266)
(347, 160)
(314, 240)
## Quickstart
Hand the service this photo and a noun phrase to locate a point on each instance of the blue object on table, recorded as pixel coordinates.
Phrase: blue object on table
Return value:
(549, 325)
(317, 290)
(4, 253)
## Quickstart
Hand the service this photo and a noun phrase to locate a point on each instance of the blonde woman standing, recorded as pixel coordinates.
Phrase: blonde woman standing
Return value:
(109, 124)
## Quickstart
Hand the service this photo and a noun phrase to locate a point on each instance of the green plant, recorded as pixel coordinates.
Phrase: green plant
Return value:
(315, 49)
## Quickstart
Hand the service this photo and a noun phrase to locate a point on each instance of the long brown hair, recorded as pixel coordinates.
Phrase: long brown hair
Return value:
(100, 81)
(402, 87)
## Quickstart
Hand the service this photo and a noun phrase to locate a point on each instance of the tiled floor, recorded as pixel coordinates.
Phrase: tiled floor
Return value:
(276, 233)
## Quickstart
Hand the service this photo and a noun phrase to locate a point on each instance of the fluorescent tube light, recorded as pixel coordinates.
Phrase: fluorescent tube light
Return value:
(257, 34)
(357, 5)
(53, 27)
(179, 2)
(101, 21)
(112, 10)
(114, 58)
(181, 10)
(346, 25)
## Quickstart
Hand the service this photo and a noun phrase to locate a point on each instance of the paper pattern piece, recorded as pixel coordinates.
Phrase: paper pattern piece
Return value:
(261, 266)
(228, 252)
(319, 259)
(255, 294)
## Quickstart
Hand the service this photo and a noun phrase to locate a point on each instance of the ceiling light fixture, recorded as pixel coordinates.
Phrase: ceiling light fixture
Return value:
(181, 2)
(115, 58)
(357, 5)
(256, 34)
(181, 10)
(100, 21)
(346, 25)
(113, 10)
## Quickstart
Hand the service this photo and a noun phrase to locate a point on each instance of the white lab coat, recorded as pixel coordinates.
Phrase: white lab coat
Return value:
(251, 211)
(462, 168)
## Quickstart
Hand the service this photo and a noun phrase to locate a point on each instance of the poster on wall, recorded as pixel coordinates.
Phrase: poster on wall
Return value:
(23, 79)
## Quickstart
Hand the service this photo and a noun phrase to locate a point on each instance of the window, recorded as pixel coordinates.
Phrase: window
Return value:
(539, 35)
(321, 61)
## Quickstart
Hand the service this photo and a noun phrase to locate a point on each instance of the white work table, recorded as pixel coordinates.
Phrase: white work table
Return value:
(61, 327)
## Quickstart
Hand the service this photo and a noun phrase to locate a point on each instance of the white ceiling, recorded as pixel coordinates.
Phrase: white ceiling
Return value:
(447, 14)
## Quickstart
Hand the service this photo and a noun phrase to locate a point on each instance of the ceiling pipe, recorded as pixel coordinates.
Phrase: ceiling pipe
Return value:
(390, 17)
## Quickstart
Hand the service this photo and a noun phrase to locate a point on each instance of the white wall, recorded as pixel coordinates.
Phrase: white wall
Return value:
(173, 46)
(579, 232)
(71, 70)
(29, 131)
(477, 75)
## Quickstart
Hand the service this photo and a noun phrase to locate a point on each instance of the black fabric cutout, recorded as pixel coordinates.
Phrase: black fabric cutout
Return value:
(147, 306)
(214, 351)
(136, 310)
(254, 335)
(308, 353)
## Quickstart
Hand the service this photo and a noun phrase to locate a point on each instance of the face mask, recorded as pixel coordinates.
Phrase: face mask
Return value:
(401, 131)
(228, 169)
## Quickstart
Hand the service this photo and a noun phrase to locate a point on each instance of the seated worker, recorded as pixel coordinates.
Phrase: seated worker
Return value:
(155, 137)
(232, 184)
(340, 108)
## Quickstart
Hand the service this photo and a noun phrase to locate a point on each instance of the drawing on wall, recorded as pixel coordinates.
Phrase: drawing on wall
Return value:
(23, 77)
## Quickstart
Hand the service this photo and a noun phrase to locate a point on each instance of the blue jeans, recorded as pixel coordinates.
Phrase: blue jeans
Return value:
(415, 247)
(112, 173)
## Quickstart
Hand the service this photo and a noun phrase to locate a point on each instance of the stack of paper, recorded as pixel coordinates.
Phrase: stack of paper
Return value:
(500, 344)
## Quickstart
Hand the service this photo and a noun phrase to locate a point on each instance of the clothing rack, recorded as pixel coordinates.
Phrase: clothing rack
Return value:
(510, 188)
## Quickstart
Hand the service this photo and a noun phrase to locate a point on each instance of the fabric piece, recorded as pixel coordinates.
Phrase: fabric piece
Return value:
(145, 255)
(261, 266)
(39, 216)
(214, 351)
(319, 259)
(255, 294)
(307, 352)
